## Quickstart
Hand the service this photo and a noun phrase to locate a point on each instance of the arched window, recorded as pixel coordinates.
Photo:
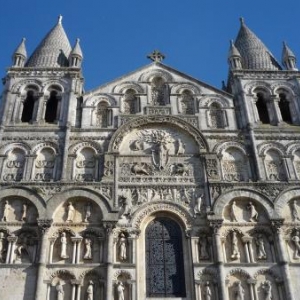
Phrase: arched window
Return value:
(85, 165)
(14, 166)
(216, 116)
(262, 109)
(131, 103)
(103, 115)
(158, 91)
(44, 165)
(296, 159)
(274, 166)
(164, 259)
(28, 107)
(52, 106)
(187, 103)
(284, 106)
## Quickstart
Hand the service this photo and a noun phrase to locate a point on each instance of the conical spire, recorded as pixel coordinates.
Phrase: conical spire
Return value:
(255, 55)
(77, 49)
(288, 58)
(53, 51)
(20, 55)
(76, 55)
(234, 57)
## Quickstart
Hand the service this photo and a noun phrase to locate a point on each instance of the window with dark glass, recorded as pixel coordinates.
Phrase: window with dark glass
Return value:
(164, 259)
(51, 108)
(284, 107)
(262, 109)
(28, 107)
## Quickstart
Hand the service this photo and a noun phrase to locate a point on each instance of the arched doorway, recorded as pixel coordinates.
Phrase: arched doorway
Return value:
(164, 259)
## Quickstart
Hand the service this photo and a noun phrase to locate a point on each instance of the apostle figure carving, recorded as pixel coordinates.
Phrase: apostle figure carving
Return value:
(207, 292)
(126, 204)
(122, 245)
(235, 253)
(238, 291)
(6, 210)
(295, 214)
(233, 212)
(253, 214)
(90, 291)
(70, 212)
(180, 147)
(267, 288)
(198, 203)
(88, 212)
(296, 240)
(203, 247)
(64, 243)
(261, 251)
(24, 212)
(88, 248)
(120, 291)
(60, 291)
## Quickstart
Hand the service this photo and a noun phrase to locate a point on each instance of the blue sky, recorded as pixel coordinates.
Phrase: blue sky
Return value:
(117, 35)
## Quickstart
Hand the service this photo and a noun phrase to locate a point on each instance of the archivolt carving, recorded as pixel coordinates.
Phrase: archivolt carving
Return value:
(156, 73)
(40, 146)
(250, 87)
(240, 272)
(94, 145)
(21, 85)
(95, 231)
(139, 122)
(58, 83)
(208, 100)
(179, 88)
(208, 271)
(264, 147)
(291, 148)
(121, 88)
(284, 198)
(118, 273)
(61, 273)
(11, 146)
(283, 85)
(269, 272)
(93, 100)
(173, 208)
(60, 230)
(219, 148)
(90, 272)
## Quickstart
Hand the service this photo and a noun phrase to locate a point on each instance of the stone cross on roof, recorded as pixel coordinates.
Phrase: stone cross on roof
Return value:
(156, 56)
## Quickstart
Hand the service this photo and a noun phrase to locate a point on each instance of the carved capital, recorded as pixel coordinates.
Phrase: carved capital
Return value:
(44, 224)
(215, 225)
(277, 224)
(109, 226)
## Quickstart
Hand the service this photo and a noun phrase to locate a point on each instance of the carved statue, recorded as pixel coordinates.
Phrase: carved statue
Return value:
(90, 291)
(295, 214)
(253, 214)
(71, 212)
(127, 205)
(203, 247)
(88, 212)
(235, 254)
(267, 288)
(60, 291)
(120, 291)
(207, 292)
(233, 212)
(179, 169)
(180, 147)
(140, 169)
(238, 292)
(6, 210)
(136, 145)
(88, 248)
(24, 212)
(64, 242)
(261, 252)
(2, 241)
(296, 240)
(122, 247)
(198, 203)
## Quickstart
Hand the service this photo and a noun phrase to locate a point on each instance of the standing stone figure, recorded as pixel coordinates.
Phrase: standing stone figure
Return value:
(296, 240)
(207, 292)
(71, 212)
(6, 211)
(180, 147)
(238, 292)
(88, 212)
(295, 214)
(253, 214)
(203, 247)
(120, 291)
(24, 212)
(88, 248)
(60, 291)
(267, 288)
(235, 254)
(63, 250)
(122, 247)
(233, 212)
(90, 291)
(261, 251)
(198, 203)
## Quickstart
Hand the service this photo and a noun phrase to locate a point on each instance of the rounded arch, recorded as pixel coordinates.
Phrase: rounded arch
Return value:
(253, 87)
(240, 272)
(95, 99)
(41, 146)
(123, 273)
(90, 272)
(139, 122)
(81, 145)
(20, 87)
(208, 100)
(59, 231)
(292, 148)
(148, 76)
(270, 272)
(233, 229)
(5, 149)
(283, 198)
(62, 273)
(221, 147)
(284, 87)
(28, 195)
(265, 147)
(180, 88)
(83, 193)
(121, 88)
(225, 198)
(208, 271)
(53, 86)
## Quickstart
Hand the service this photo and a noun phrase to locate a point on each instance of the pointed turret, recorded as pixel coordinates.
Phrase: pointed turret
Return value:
(53, 51)
(288, 58)
(234, 57)
(20, 55)
(76, 55)
(255, 55)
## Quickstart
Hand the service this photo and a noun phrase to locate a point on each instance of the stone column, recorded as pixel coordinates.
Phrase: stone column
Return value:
(277, 224)
(74, 241)
(13, 241)
(44, 225)
(253, 293)
(277, 113)
(245, 241)
(216, 226)
(198, 289)
(52, 241)
(65, 154)
(78, 291)
(74, 286)
(27, 172)
(78, 241)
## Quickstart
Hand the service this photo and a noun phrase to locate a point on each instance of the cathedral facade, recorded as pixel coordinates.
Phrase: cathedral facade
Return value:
(153, 186)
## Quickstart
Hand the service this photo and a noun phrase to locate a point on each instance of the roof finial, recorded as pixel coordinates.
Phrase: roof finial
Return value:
(156, 56)
(242, 20)
(60, 19)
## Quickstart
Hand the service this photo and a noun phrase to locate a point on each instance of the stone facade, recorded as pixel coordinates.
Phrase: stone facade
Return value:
(153, 186)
